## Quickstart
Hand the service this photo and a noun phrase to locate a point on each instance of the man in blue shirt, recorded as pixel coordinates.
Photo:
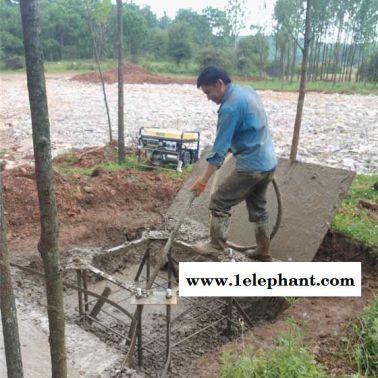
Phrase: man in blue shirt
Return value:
(242, 129)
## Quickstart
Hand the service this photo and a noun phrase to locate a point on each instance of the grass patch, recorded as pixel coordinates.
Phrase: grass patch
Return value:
(65, 166)
(363, 341)
(79, 65)
(321, 86)
(356, 222)
(170, 68)
(192, 68)
(288, 359)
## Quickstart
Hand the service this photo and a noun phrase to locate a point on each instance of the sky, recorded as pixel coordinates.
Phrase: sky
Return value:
(259, 12)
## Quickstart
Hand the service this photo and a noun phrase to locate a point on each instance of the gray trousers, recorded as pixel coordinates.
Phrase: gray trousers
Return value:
(242, 186)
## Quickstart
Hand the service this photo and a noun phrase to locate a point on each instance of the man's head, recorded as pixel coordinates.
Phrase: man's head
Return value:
(213, 81)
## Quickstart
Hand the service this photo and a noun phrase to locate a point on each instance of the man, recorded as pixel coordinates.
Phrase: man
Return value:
(242, 129)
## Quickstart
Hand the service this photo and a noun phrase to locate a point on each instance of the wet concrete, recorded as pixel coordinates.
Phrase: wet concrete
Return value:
(310, 196)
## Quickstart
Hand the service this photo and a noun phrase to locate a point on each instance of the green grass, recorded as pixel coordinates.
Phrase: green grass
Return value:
(191, 69)
(321, 86)
(363, 341)
(354, 221)
(79, 65)
(169, 67)
(290, 358)
(65, 166)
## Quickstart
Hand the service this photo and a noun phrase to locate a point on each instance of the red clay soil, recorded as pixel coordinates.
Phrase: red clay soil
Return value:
(102, 210)
(133, 74)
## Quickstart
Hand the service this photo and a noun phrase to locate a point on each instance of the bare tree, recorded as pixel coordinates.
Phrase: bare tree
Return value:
(302, 85)
(236, 14)
(97, 58)
(121, 127)
(7, 301)
(48, 243)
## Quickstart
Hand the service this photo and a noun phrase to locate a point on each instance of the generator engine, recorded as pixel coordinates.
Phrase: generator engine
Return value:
(163, 146)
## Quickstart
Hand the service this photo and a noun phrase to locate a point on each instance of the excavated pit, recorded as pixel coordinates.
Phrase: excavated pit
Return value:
(197, 324)
(100, 347)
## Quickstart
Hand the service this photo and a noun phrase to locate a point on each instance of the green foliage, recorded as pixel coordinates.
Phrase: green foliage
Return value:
(170, 68)
(319, 86)
(198, 24)
(369, 70)
(158, 43)
(363, 341)
(134, 30)
(179, 47)
(212, 56)
(288, 359)
(356, 222)
(14, 62)
(344, 43)
(236, 16)
(252, 53)
(220, 27)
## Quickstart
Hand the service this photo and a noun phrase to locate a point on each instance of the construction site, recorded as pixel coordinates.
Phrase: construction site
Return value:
(124, 315)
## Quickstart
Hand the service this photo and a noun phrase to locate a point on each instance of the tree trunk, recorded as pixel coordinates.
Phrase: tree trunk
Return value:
(293, 62)
(282, 64)
(328, 63)
(345, 54)
(337, 50)
(97, 59)
(7, 302)
(121, 127)
(322, 65)
(48, 243)
(302, 86)
(310, 60)
(61, 45)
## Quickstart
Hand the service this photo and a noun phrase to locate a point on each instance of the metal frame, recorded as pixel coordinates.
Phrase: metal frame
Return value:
(88, 310)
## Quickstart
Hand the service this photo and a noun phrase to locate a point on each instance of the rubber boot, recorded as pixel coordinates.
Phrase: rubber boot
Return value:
(262, 252)
(218, 235)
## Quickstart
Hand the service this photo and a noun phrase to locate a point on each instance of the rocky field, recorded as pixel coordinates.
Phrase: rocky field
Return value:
(338, 130)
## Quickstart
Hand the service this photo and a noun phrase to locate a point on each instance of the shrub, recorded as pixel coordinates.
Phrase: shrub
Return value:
(211, 56)
(14, 62)
(289, 359)
(363, 341)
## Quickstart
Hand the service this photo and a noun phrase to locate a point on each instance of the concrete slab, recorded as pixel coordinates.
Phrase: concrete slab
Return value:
(310, 196)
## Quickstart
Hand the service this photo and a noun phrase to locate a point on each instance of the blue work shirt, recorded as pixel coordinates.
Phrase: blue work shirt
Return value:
(243, 128)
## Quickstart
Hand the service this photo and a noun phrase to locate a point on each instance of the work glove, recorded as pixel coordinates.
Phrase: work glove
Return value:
(198, 187)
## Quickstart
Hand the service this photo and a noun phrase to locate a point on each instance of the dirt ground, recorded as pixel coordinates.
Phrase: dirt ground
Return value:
(107, 208)
(133, 74)
(103, 210)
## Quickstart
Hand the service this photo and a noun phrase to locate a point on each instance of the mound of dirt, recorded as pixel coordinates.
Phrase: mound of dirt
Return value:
(104, 209)
(133, 74)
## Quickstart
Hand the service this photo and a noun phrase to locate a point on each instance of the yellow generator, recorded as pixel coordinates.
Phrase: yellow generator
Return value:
(164, 146)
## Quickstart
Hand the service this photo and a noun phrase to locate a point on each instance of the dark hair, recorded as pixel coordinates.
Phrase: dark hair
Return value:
(210, 75)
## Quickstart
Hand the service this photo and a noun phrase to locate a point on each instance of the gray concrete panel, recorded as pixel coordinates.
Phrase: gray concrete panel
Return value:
(310, 196)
